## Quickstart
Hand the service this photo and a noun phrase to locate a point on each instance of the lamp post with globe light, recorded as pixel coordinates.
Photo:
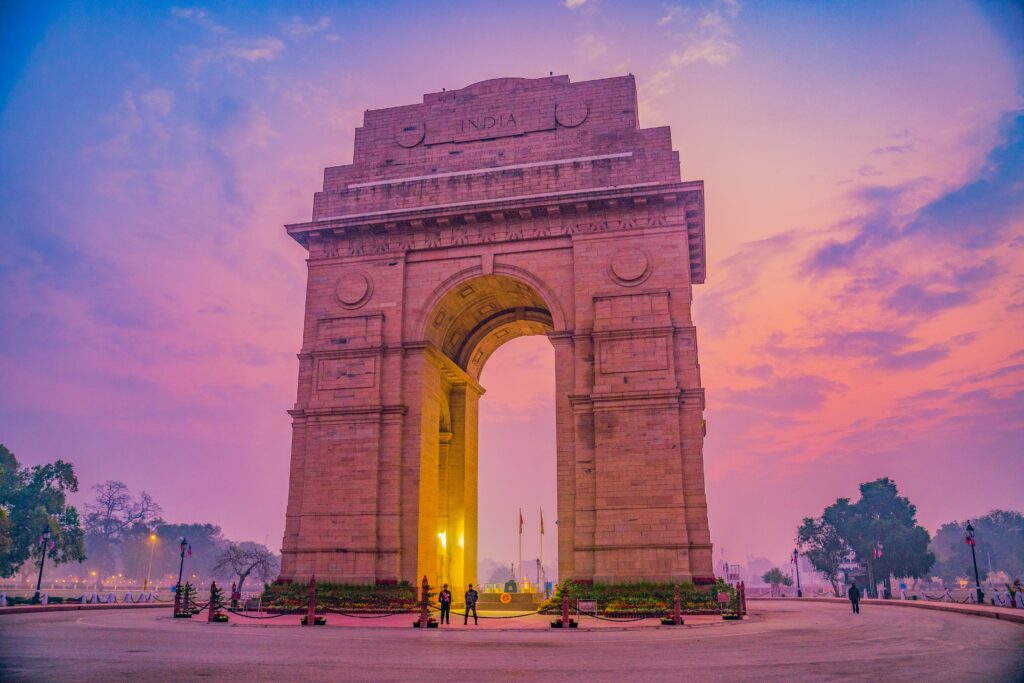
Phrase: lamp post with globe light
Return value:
(969, 540)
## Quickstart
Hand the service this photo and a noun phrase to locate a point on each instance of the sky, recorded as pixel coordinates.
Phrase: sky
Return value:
(864, 305)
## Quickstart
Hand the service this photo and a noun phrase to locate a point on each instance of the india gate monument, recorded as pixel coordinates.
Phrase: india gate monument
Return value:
(510, 207)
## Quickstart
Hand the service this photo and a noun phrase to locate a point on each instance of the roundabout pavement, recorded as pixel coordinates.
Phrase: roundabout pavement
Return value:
(781, 641)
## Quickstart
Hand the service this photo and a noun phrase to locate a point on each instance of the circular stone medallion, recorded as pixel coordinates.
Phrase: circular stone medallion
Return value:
(410, 135)
(353, 289)
(629, 267)
(571, 114)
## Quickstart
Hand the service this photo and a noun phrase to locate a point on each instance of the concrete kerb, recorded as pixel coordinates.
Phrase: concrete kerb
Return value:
(1005, 614)
(23, 609)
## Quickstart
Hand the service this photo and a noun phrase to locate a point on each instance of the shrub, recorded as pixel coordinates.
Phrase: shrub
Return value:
(642, 597)
(341, 596)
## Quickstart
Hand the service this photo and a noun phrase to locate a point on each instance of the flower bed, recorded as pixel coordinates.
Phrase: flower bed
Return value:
(292, 597)
(633, 600)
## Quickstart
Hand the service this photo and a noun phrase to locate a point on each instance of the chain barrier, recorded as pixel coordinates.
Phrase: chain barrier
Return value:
(365, 616)
(437, 608)
(624, 619)
(240, 613)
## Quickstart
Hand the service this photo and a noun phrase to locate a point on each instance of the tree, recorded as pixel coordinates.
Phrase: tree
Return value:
(33, 500)
(205, 541)
(824, 547)
(775, 577)
(116, 512)
(1000, 544)
(114, 518)
(881, 528)
(247, 558)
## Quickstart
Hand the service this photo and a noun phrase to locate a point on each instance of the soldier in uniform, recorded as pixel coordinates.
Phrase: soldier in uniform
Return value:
(471, 598)
(445, 597)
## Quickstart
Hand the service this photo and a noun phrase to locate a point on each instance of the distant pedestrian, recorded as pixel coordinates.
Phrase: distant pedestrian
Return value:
(854, 595)
(445, 596)
(471, 597)
(235, 595)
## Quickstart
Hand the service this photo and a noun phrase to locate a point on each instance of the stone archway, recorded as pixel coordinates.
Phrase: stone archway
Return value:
(441, 242)
(468, 320)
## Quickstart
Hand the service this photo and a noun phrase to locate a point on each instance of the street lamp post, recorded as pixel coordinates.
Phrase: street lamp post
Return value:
(969, 539)
(796, 564)
(44, 541)
(181, 565)
(149, 569)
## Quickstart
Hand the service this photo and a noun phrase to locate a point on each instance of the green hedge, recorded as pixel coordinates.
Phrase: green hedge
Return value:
(346, 596)
(643, 596)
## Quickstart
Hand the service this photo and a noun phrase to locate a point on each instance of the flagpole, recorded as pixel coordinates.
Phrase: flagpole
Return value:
(540, 556)
(521, 542)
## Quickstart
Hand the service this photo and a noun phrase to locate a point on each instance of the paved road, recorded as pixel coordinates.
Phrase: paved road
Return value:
(783, 641)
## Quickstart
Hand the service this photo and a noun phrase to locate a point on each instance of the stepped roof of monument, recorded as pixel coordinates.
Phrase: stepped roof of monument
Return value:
(502, 145)
(504, 122)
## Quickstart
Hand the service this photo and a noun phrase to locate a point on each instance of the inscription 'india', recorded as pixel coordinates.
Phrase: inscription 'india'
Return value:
(487, 122)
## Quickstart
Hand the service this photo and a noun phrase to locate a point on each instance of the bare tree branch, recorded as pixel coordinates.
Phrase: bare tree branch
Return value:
(247, 559)
(116, 511)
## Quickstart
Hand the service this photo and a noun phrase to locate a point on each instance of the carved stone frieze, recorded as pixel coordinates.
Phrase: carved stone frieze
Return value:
(438, 236)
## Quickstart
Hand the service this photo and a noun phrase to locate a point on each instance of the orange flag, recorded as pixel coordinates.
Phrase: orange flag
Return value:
(542, 521)
(520, 521)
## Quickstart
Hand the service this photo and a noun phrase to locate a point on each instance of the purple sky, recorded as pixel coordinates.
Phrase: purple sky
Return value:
(863, 310)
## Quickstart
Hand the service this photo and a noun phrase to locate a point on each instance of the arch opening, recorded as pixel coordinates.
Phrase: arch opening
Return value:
(518, 464)
(466, 325)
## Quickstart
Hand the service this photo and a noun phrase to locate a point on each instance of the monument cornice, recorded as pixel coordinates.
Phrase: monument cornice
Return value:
(568, 200)
(579, 212)
(634, 332)
(546, 204)
(622, 400)
(344, 412)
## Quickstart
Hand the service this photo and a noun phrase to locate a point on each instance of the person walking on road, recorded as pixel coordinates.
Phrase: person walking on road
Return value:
(854, 595)
(471, 598)
(445, 596)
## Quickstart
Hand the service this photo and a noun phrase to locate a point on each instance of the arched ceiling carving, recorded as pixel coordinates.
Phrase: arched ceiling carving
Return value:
(477, 316)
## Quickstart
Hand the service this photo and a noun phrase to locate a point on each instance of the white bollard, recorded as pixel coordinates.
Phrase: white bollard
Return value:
(3, 599)
(44, 599)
